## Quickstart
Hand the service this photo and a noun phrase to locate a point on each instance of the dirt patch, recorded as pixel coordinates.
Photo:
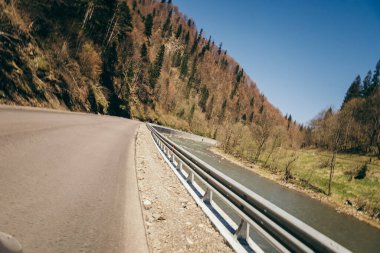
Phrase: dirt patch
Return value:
(173, 221)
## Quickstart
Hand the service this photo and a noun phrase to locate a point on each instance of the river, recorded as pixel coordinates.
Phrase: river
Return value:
(348, 231)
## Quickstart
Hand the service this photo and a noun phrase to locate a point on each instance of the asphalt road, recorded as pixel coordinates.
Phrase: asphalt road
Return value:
(68, 182)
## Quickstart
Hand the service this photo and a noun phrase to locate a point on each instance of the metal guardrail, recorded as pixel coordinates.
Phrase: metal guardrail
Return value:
(282, 230)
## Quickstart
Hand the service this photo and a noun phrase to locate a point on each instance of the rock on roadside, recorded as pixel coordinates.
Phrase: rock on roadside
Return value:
(173, 221)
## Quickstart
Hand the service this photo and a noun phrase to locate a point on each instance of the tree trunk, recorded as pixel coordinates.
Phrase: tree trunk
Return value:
(332, 167)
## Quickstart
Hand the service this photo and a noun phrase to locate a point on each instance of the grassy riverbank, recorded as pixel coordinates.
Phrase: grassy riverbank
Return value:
(310, 174)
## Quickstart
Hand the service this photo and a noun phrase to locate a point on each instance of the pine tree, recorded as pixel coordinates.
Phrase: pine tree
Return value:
(222, 111)
(192, 76)
(210, 108)
(134, 5)
(148, 25)
(220, 48)
(163, 1)
(251, 116)
(179, 31)
(98, 26)
(169, 1)
(354, 91)
(203, 52)
(144, 53)
(187, 38)
(203, 99)
(125, 21)
(367, 84)
(289, 121)
(234, 89)
(261, 110)
(195, 44)
(184, 68)
(251, 102)
(166, 26)
(244, 117)
(375, 84)
(155, 70)
(208, 43)
(239, 75)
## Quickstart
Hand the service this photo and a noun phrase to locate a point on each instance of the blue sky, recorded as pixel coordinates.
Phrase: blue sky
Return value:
(303, 54)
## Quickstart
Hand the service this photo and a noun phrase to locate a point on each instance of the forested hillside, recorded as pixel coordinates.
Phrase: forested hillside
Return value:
(355, 127)
(140, 58)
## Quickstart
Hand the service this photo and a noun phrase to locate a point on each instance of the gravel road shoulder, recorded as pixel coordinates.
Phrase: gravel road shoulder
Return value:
(173, 221)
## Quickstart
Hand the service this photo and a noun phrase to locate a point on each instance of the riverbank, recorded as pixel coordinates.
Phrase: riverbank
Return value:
(333, 201)
(173, 221)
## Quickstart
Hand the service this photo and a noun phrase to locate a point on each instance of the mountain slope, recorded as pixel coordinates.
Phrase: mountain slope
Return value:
(139, 59)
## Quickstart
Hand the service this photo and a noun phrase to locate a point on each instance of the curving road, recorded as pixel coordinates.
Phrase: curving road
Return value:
(68, 183)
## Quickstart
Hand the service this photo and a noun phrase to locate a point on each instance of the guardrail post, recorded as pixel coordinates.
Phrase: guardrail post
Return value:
(207, 197)
(173, 157)
(190, 177)
(179, 165)
(242, 232)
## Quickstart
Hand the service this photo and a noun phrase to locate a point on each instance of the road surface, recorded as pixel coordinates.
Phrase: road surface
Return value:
(68, 182)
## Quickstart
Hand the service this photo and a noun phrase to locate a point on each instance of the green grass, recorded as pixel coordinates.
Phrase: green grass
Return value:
(312, 166)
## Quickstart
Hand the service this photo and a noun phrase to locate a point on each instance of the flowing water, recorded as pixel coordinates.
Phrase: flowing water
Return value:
(353, 234)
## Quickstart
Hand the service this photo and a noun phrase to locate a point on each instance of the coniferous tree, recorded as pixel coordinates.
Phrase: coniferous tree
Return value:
(210, 108)
(125, 20)
(179, 31)
(289, 121)
(192, 76)
(208, 43)
(103, 11)
(144, 53)
(251, 102)
(203, 52)
(220, 48)
(375, 84)
(251, 116)
(203, 99)
(134, 5)
(166, 26)
(354, 91)
(169, 1)
(187, 38)
(148, 25)
(367, 84)
(184, 68)
(222, 111)
(195, 44)
(155, 70)
(261, 109)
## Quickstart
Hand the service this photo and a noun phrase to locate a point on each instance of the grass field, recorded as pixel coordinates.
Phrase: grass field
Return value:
(311, 170)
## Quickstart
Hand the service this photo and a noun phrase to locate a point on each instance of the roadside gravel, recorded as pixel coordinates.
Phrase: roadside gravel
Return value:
(173, 221)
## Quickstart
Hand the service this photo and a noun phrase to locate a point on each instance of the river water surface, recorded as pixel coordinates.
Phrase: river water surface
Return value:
(353, 234)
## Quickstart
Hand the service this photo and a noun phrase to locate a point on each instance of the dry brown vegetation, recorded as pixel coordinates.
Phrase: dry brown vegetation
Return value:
(146, 60)
(88, 56)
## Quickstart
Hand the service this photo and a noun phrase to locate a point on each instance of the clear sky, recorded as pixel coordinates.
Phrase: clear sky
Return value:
(303, 54)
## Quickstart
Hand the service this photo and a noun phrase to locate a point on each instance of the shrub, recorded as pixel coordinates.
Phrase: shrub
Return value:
(90, 61)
